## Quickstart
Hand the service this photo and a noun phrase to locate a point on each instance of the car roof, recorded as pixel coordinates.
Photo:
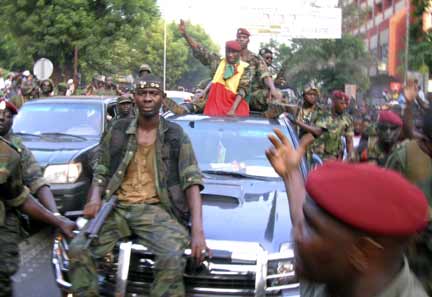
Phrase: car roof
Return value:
(75, 99)
(244, 120)
(180, 94)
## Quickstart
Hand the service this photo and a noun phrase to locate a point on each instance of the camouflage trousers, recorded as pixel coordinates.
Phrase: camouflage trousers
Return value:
(154, 227)
(9, 258)
(420, 258)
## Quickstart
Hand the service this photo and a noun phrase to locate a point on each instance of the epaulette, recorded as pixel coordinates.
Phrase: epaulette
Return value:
(10, 144)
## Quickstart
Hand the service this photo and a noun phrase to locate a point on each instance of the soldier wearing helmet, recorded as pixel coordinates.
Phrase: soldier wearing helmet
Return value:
(144, 69)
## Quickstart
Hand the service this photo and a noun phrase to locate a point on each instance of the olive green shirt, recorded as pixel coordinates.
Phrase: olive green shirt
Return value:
(13, 193)
(405, 284)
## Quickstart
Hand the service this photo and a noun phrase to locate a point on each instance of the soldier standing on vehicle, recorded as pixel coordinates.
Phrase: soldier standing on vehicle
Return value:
(267, 56)
(15, 196)
(31, 171)
(338, 224)
(331, 127)
(261, 87)
(149, 164)
(124, 106)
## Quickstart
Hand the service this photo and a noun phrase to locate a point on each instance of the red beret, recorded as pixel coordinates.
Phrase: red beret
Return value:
(340, 95)
(8, 105)
(243, 31)
(388, 116)
(233, 45)
(369, 198)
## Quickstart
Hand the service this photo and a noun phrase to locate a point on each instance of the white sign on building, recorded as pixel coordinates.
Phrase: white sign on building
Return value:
(299, 22)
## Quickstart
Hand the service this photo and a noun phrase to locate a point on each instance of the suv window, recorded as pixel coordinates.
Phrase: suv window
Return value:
(81, 119)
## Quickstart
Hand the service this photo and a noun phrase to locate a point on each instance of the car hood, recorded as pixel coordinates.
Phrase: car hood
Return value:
(247, 210)
(57, 151)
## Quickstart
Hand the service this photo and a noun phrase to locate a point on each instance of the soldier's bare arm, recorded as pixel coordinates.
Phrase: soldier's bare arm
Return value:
(286, 160)
(198, 244)
(34, 209)
(46, 198)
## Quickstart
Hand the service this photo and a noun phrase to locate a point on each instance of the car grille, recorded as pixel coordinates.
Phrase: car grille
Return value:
(141, 277)
(129, 269)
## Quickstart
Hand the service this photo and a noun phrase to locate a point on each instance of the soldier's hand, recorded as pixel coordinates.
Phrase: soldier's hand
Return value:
(282, 156)
(67, 227)
(410, 91)
(182, 27)
(91, 209)
(198, 246)
(276, 94)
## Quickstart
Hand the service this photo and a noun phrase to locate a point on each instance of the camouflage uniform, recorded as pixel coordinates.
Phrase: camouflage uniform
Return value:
(416, 166)
(31, 171)
(161, 226)
(258, 91)
(13, 194)
(308, 116)
(213, 60)
(329, 144)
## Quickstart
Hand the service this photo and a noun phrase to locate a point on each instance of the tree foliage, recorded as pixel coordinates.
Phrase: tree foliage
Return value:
(329, 64)
(112, 36)
(420, 45)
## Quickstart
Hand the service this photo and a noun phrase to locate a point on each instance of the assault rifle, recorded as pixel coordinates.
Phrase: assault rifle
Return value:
(96, 223)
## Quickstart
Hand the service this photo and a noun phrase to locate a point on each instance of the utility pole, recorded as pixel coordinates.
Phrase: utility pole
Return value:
(75, 73)
(164, 54)
(407, 38)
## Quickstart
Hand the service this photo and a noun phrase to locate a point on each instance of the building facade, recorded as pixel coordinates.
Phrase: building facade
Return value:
(383, 27)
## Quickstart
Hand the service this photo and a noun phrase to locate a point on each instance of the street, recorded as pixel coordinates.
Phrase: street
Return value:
(35, 277)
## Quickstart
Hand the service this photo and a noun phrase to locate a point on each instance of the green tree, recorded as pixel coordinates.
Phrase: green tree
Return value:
(420, 45)
(52, 29)
(328, 63)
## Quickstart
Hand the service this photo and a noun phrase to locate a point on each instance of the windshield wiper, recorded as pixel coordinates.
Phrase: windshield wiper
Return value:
(26, 134)
(63, 134)
(237, 174)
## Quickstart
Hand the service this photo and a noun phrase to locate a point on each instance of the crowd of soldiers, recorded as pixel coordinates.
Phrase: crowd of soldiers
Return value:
(359, 229)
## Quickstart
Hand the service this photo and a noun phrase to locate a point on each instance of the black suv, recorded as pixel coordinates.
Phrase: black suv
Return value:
(245, 214)
(64, 133)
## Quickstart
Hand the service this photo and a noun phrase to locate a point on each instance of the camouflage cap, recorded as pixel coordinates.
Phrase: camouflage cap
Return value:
(125, 98)
(145, 67)
(149, 81)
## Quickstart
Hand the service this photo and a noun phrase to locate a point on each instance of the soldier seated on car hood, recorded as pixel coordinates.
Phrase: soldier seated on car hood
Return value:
(149, 164)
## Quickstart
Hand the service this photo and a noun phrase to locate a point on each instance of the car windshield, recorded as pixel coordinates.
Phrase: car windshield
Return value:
(234, 147)
(78, 119)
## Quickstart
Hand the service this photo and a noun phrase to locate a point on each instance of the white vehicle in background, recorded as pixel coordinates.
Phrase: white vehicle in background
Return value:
(179, 96)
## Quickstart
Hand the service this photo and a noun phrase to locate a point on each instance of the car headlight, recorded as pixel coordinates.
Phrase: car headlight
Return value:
(63, 174)
(280, 267)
